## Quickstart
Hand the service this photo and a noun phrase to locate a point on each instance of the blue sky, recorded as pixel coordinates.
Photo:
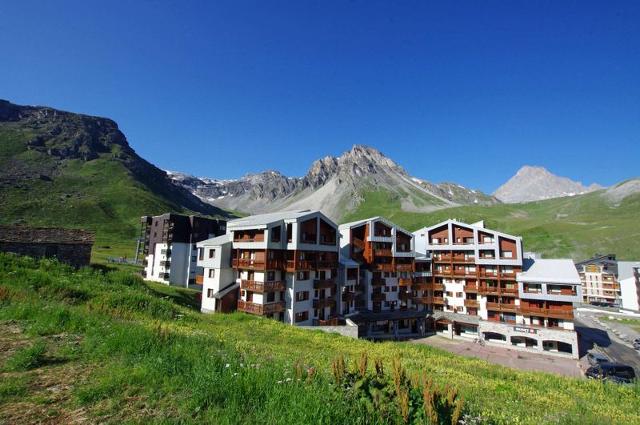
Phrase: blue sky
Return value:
(453, 91)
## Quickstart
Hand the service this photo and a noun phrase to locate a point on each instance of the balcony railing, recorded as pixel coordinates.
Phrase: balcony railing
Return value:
(420, 300)
(348, 296)
(255, 264)
(377, 281)
(259, 237)
(470, 288)
(324, 302)
(501, 307)
(299, 265)
(437, 300)
(199, 279)
(404, 267)
(382, 252)
(421, 286)
(471, 303)
(327, 264)
(358, 243)
(384, 267)
(324, 283)
(269, 286)
(403, 281)
(550, 312)
(438, 286)
(261, 309)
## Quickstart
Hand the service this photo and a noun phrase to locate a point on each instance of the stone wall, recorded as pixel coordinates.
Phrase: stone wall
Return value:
(76, 255)
(350, 329)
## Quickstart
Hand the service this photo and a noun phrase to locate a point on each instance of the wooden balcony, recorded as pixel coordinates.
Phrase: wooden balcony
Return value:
(378, 296)
(325, 264)
(261, 309)
(384, 267)
(403, 281)
(358, 243)
(270, 286)
(199, 279)
(421, 286)
(324, 283)
(253, 264)
(486, 275)
(404, 296)
(470, 288)
(382, 253)
(299, 265)
(258, 237)
(442, 258)
(438, 286)
(501, 307)
(471, 303)
(324, 302)
(404, 267)
(437, 300)
(421, 300)
(548, 312)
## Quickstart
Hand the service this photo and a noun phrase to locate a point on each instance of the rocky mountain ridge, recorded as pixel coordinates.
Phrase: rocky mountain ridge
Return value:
(537, 183)
(332, 184)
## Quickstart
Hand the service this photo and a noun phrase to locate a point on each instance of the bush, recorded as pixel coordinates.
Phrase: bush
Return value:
(27, 358)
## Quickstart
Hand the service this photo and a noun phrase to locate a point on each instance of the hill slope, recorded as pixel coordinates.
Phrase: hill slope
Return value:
(574, 227)
(64, 169)
(536, 184)
(106, 348)
(332, 185)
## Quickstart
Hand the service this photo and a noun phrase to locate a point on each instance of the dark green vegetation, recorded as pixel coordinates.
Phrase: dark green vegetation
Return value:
(117, 350)
(71, 170)
(575, 227)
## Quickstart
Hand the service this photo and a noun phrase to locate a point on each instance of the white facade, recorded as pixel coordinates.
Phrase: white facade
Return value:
(171, 264)
(629, 278)
(214, 257)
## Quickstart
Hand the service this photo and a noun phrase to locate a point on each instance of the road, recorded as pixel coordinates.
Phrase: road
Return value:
(591, 332)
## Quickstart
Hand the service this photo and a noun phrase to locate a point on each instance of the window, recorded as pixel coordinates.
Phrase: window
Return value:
(210, 293)
(275, 234)
(200, 254)
(303, 275)
(507, 254)
(302, 316)
(193, 258)
(271, 276)
(212, 253)
(394, 289)
(302, 296)
(212, 272)
(271, 297)
(459, 294)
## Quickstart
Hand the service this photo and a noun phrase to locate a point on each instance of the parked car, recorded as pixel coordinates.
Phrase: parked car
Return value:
(613, 372)
(595, 358)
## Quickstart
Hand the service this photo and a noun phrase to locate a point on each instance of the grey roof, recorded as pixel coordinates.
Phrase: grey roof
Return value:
(549, 271)
(376, 218)
(266, 219)
(625, 269)
(226, 290)
(456, 317)
(606, 260)
(217, 241)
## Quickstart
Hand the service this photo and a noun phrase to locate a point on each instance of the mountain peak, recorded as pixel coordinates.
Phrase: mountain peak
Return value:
(535, 183)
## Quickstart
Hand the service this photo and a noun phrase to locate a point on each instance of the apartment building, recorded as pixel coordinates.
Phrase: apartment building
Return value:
(215, 273)
(599, 277)
(388, 299)
(629, 279)
(285, 264)
(482, 286)
(168, 246)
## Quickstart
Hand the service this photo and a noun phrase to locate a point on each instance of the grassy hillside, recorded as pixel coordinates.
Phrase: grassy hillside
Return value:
(575, 227)
(88, 346)
(71, 170)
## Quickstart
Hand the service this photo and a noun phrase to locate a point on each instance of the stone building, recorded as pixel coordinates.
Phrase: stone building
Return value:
(71, 246)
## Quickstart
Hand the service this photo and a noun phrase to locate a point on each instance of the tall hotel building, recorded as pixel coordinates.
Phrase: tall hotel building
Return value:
(483, 286)
(285, 265)
(388, 296)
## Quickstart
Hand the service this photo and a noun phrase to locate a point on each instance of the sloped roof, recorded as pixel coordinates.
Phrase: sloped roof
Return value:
(475, 226)
(269, 218)
(35, 235)
(218, 240)
(625, 269)
(376, 218)
(549, 271)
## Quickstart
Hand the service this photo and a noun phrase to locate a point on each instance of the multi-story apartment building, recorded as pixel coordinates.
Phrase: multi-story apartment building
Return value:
(599, 276)
(388, 297)
(168, 246)
(285, 264)
(629, 279)
(216, 275)
(477, 288)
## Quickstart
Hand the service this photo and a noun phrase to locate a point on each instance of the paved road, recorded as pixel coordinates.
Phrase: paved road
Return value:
(591, 332)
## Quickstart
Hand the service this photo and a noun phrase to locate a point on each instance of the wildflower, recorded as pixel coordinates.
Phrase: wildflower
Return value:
(227, 365)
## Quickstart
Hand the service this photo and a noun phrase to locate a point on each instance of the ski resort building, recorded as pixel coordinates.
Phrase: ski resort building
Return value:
(483, 287)
(284, 264)
(599, 277)
(168, 246)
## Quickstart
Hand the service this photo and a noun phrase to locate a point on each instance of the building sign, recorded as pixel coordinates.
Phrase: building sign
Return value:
(525, 330)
